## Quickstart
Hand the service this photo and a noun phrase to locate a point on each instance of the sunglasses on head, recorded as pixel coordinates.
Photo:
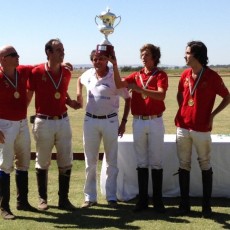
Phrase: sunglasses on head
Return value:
(14, 54)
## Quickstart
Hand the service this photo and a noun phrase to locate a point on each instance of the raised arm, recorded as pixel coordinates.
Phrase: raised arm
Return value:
(117, 78)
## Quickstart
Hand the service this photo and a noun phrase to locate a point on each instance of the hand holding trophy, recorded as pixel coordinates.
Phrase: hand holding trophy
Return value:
(106, 28)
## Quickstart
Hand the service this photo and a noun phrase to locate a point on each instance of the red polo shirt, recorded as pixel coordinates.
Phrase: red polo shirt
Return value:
(45, 101)
(148, 106)
(197, 117)
(12, 108)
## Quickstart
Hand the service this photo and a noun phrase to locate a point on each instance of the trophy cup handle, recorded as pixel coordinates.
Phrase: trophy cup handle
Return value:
(118, 21)
(96, 19)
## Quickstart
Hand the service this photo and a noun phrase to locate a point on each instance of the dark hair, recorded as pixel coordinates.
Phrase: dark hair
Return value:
(155, 51)
(92, 54)
(199, 51)
(49, 45)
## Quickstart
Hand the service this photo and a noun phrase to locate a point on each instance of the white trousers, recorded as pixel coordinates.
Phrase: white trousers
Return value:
(49, 134)
(96, 130)
(16, 147)
(148, 138)
(202, 143)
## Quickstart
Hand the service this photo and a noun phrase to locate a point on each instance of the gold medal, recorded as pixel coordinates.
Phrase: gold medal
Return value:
(190, 102)
(57, 95)
(192, 90)
(143, 96)
(16, 94)
(145, 85)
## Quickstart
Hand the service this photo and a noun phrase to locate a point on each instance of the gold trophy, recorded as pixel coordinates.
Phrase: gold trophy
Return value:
(106, 28)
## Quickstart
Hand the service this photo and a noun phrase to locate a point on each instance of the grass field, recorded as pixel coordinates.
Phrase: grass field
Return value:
(102, 217)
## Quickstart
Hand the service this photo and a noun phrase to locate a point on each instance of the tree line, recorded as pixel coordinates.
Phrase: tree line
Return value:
(137, 68)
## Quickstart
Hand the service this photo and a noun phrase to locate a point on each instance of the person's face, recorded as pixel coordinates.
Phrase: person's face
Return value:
(147, 58)
(189, 58)
(100, 61)
(10, 57)
(57, 54)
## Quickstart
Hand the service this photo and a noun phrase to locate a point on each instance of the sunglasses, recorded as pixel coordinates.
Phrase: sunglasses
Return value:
(14, 54)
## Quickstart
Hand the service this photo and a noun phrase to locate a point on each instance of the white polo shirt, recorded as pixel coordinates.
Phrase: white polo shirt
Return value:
(102, 94)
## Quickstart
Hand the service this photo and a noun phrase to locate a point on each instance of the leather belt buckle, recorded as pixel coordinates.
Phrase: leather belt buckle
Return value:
(145, 117)
(55, 118)
(101, 117)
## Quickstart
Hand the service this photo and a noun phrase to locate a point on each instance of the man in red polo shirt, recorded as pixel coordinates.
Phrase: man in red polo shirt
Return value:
(197, 90)
(148, 87)
(14, 131)
(51, 127)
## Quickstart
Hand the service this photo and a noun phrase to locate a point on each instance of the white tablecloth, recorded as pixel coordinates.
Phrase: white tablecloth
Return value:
(127, 186)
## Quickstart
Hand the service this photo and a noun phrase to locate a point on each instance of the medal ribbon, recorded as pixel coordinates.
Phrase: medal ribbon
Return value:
(146, 84)
(56, 86)
(196, 84)
(16, 80)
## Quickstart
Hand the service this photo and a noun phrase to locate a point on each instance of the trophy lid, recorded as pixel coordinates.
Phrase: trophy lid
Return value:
(107, 13)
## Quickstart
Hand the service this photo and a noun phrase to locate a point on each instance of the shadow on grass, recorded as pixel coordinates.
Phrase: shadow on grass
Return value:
(221, 218)
(102, 216)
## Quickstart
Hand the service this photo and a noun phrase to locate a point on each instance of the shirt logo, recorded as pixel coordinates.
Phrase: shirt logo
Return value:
(44, 78)
(186, 82)
(6, 83)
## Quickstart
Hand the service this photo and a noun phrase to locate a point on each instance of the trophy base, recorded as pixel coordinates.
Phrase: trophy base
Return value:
(104, 49)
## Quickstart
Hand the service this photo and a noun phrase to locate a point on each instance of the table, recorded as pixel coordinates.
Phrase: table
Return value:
(127, 185)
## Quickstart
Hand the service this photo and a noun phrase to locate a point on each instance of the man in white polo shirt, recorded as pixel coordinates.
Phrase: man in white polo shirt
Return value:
(101, 123)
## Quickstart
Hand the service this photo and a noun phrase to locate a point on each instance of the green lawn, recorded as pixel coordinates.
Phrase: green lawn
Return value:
(103, 217)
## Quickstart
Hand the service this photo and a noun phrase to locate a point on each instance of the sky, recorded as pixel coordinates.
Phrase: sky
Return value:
(169, 24)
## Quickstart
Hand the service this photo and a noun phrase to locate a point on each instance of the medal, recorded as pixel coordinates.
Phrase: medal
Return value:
(57, 95)
(16, 94)
(190, 102)
(192, 90)
(146, 84)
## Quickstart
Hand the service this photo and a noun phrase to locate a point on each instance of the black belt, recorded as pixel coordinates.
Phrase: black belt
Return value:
(52, 117)
(101, 117)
